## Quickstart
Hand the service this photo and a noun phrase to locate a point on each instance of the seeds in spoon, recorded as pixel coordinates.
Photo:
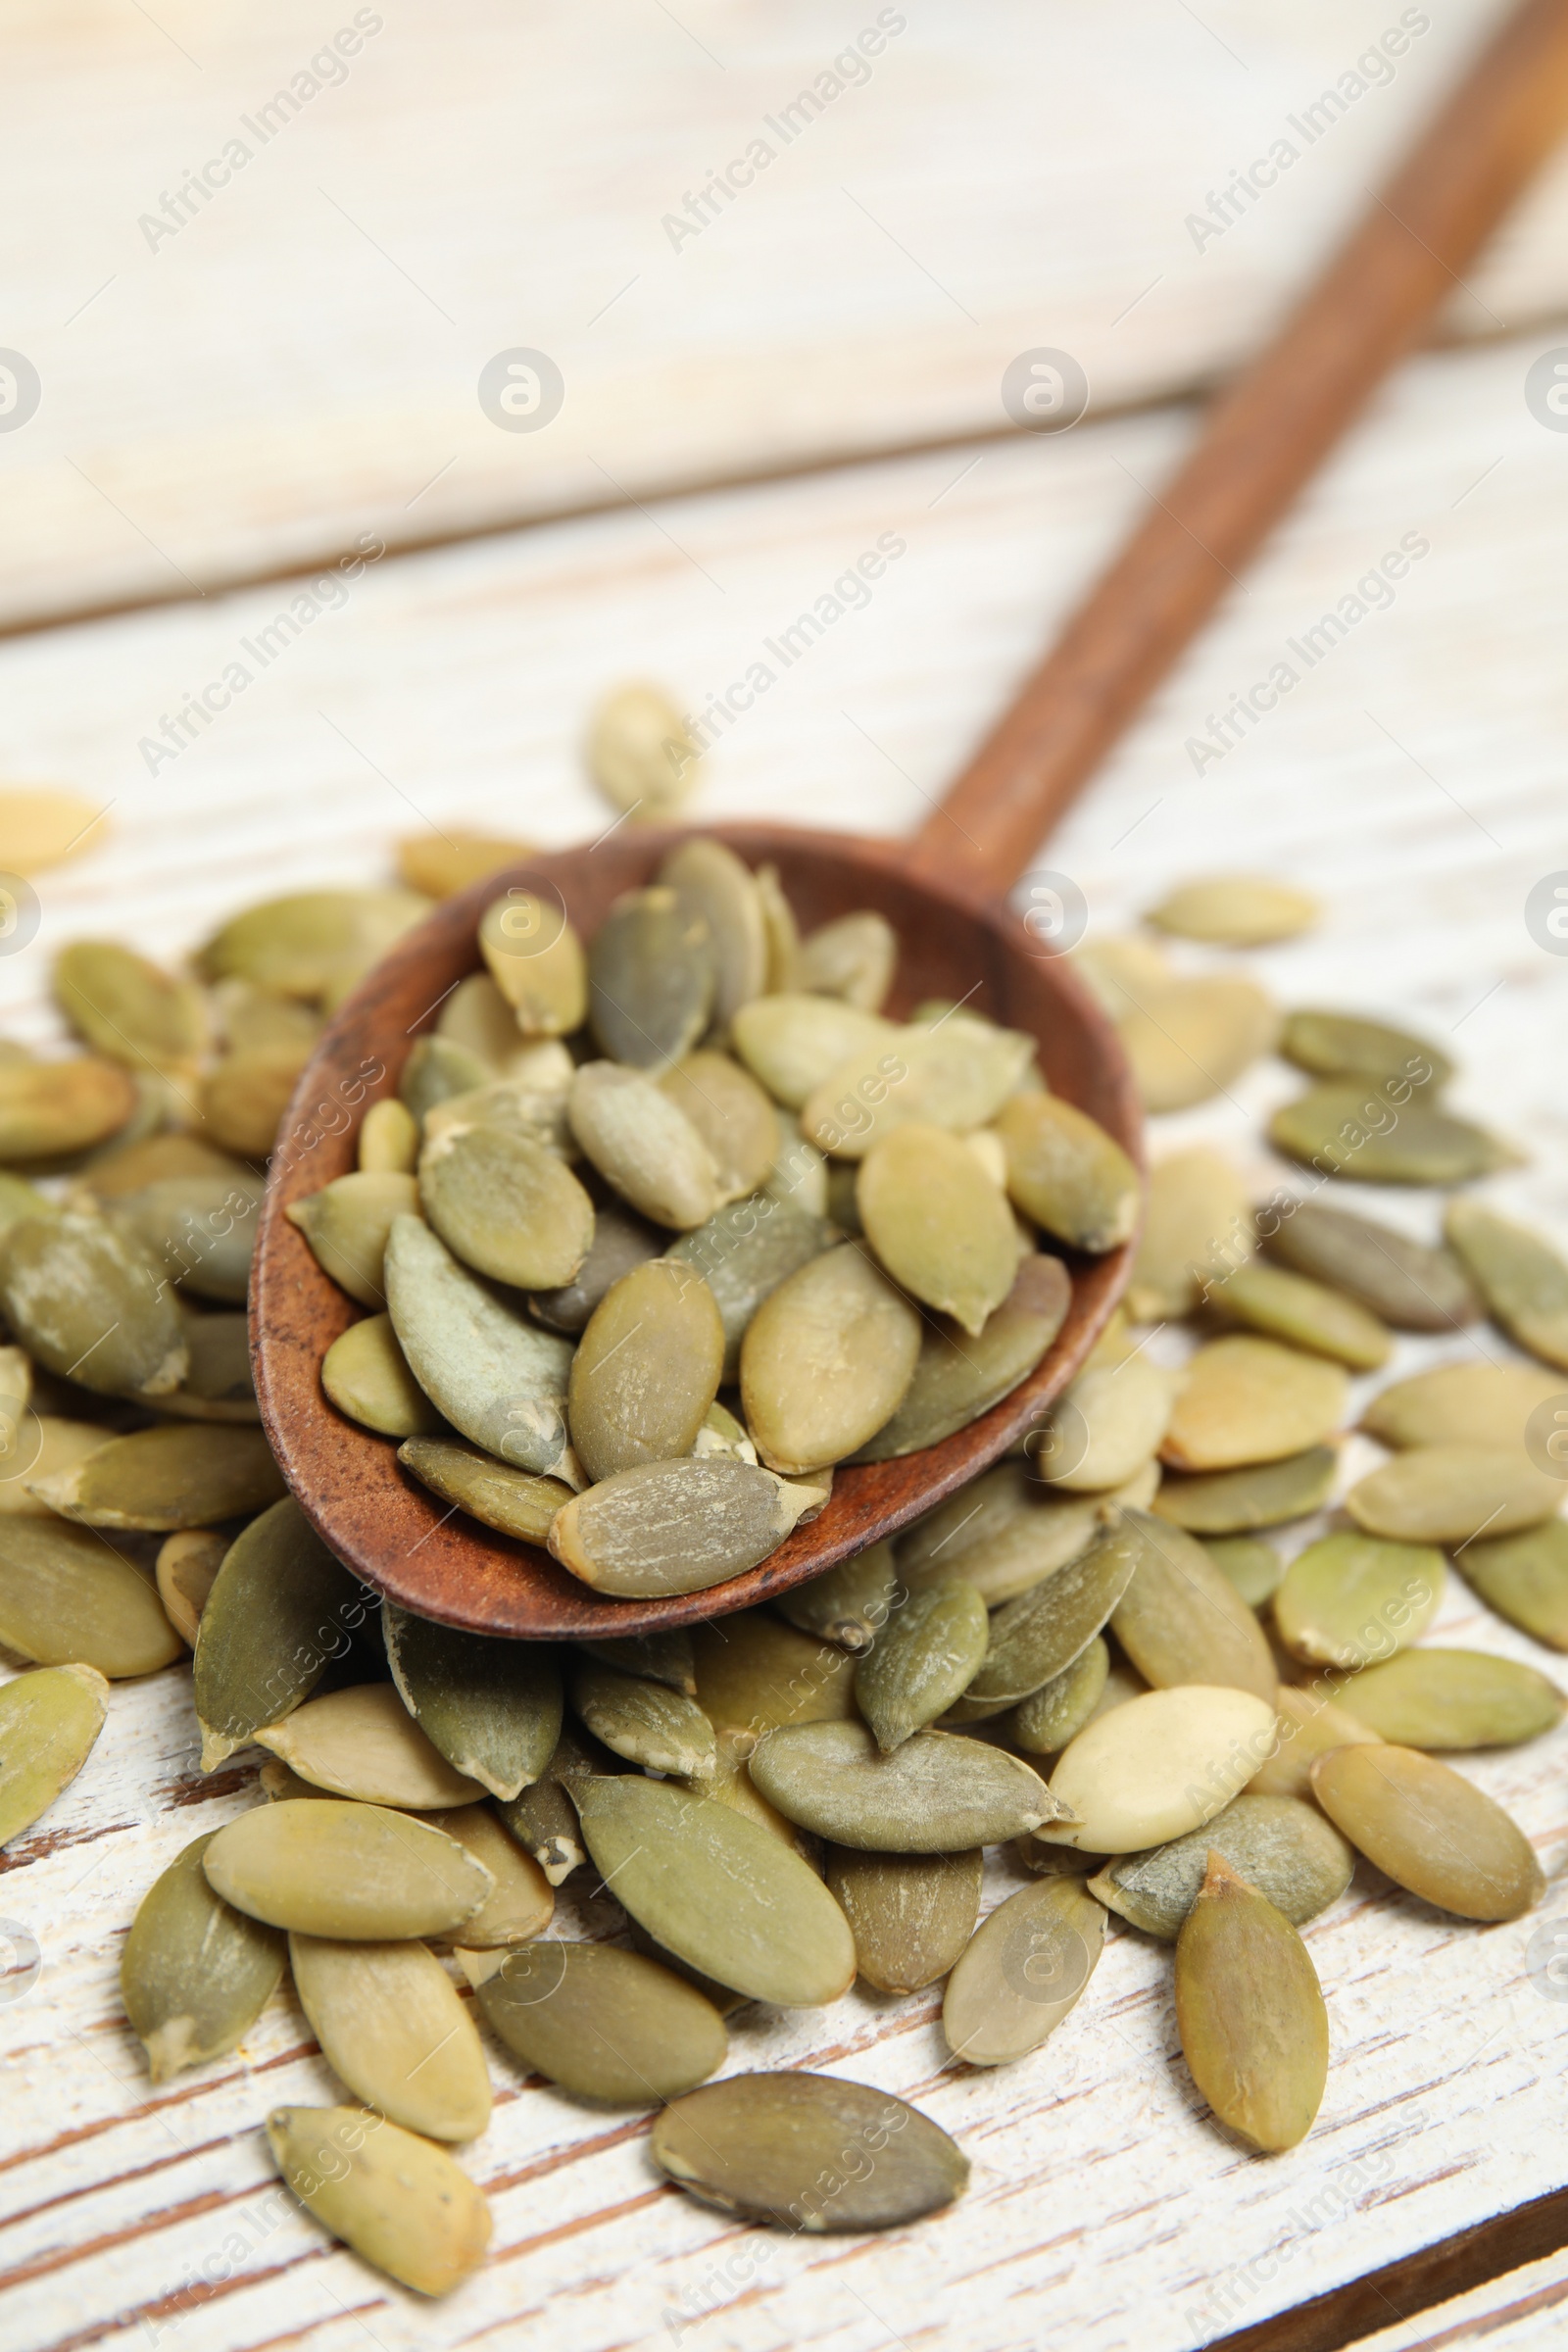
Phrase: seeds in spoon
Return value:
(825, 1360)
(49, 1724)
(389, 1140)
(910, 1914)
(644, 1144)
(956, 1074)
(496, 1377)
(1067, 1173)
(956, 1378)
(347, 1225)
(1351, 1599)
(195, 1974)
(646, 1369)
(621, 1241)
(731, 1113)
(1250, 2013)
(365, 1375)
(651, 977)
(921, 1661)
(401, 2203)
(491, 1709)
(1283, 1848)
(1429, 1830)
(1024, 1969)
(389, 2022)
(853, 959)
(354, 1872)
(536, 960)
(674, 1527)
(937, 1223)
(513, 1500)
(507, 1206)
(602, 2023)
(712, 887)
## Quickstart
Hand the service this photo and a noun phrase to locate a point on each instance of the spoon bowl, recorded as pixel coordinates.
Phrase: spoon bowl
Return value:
(957, 941)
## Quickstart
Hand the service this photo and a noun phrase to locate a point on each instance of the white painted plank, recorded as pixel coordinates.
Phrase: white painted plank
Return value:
(1521, 2313)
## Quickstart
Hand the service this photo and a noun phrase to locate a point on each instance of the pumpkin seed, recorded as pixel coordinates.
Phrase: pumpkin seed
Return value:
(1308, 1725)
(440, 865)
(478, 1017)
(910, 1914)
(1106, 1424)
(1253, 1567)
(1197, 1223)
(1235, 910)
(800, 1173)
(48, 1109)
(315, 944)
(1252, 1400)
(529, 1102)
(938, 1224)
(719, 1890)
(1524, 1579)
(755, 1673)
(492, 1708)
(1067, 1173)
(1406, 1284)
(366, 1374)
(536, 960)
(362, 1743)
(1191, 1038)
(783, 937)
(253, 1020)
(1179, 1620)
(1348, 1599)
(543, 1819)
(33, 1448)
(1283, 1848)
(399, 2202)
(496, 1377)
(721, 1434)
(714, 887)
(186, 1571)
(1302, 1312)
(652, 971)
(1153, 1768)
(67, 1598)
(646, 1369)
(1342, 1044)
(674, 1527)
(347, 1225)
(644, 1144)
(921, 1662)
(513, 1500)
(1454, 1699)
(743, 1253)
(1461, 1404)
(651, 1725)
(1026, 1968)
(128, 1009)
(1523, 1279)
(664, 1657)
(1037, 1636)
(620, 1241)
(359, 1873)
(781, 2148)
(1429, 1830)
(131, 1167)
(199, 1231)
(1452, 1493)
(956, 1074)
(1373, 1134)
(955, 1381)
(1122, 972)
(49, 1725)
(20, 1200)
(167, 1478)
(218, 1386)
(1222, 1502)
(794, 1043)
(84, 1302)
(1014, 1549)
(731, 1113)
(604, 2023)
(1043, 1723)
(853, 959)
(505, 1204)
(825, 1360)
(244, 1097)
(279, 1609)
(194, 1975)
(523, 1902)
(1250, 2011)
(42, 826)
(641, 753)
(937, 1794)
(389, 2022)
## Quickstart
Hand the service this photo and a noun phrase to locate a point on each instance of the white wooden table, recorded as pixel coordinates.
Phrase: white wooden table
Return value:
(1041, 163)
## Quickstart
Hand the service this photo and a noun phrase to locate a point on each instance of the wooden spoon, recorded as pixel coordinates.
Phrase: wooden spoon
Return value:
(942, 893)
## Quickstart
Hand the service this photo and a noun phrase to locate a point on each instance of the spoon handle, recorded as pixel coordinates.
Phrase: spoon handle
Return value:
(1262, 441)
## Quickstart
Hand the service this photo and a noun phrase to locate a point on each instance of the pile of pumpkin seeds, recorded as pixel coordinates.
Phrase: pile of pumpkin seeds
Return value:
(1094, 1659)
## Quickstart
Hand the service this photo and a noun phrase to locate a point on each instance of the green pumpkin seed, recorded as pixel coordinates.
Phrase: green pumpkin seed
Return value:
(1461, 1404)
(199, 1231)
(809, 2152)
(315, 944)
(674, 1527)
(910, 1914)
(1250, 1400)
(1406, 1284)
(218, 1386)
(1374, 1134)
(1197, 1223)
(279, 1609)
(1067, 1173)
(1024, 1969)
(347, 1225)
(921, 1662)
(743, 1254)
(1153, 1768)
(646, 1369)
(491, 1709)
(530, 1101)
(783, 937)
(1122, 972)
(794, 1043)
(848, 1604)
(1253, 1567)
(604, 2023)
(536, 960)
(389, 1140)
(956, 1379)
(1223, 1503)
(478, 1017)
(20, 1200)
(644, 1144)
(1189, 1040)
(399, 2202)
(254, 1020)
(1308, 1725)
(1453, 1493)
(359, 1873)
(620, 1241)
(1180, 1620)
(937, 1794)
(936, 1222)
(1524, 1579)
(1283, 1848)
(544, 1818)
(244, 1097)
(523, 1901)
(721, 1434)
(1350, 1599)
(86, 1303)
(49, 1725)
(127, 1009)
(825, 1362)
(67, 1598)
(33, 1448)
(652, 971)
(854, 959)
(719, 1890)
(641, 753)
(1106, 1424)
(186, 1572)
(1523, 1279)
(1235, 910)
(498, 1379)
(731, 1113)
(1302, 1312)
(663, 1657)
(1043, 1723)
(800, 1173)
(441, 864)
(366, 1374)
(1429, 1830)
(363, 1743)
(1019, 1547)
(1454, 1699)
(162, 1479)
(1250, 2011)
(389, 2022)
(955, 1074)
(505, 1204)
(755, 1673)
(194, 1975)
(1037, 1636)
(513, 1500)
(713, 888)
(49, 1108)
(1342, 1044)
(651, 1726)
